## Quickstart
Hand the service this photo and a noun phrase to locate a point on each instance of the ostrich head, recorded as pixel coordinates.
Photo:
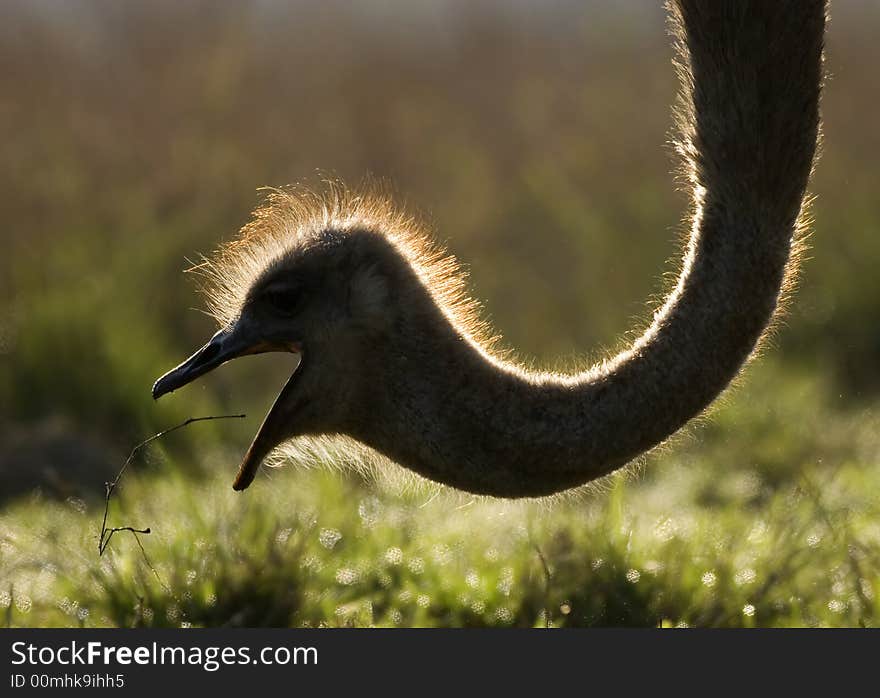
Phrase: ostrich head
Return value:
(327, 277)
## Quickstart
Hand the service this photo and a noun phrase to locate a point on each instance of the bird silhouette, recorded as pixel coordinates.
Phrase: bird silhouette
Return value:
(393, 353)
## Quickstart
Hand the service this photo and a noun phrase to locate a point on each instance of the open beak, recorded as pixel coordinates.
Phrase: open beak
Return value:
(227, 344)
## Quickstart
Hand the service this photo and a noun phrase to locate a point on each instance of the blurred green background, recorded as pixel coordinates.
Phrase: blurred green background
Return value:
(534, 138)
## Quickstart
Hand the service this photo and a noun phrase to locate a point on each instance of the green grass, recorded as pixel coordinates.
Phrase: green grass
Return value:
(682, 543)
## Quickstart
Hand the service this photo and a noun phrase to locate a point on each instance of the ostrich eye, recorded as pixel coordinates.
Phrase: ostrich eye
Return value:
(283, 299)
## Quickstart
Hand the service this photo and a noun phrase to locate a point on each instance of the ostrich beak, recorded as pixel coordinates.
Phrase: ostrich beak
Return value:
(270, 434)
(227, 344)
(231, 343)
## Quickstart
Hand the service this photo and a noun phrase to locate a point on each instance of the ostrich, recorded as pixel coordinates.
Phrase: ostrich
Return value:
(393, 355)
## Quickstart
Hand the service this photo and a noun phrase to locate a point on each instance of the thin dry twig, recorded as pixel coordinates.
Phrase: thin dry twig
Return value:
(110, 487)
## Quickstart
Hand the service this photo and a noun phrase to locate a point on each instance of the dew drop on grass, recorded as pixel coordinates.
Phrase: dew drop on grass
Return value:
(394, 556)
(745, 576)
(836, 606)
(441, 554)
(23, 603)
(329, 537)
(503, 615)
(370, 510)
(505, 581)
(664, 529)
(311, 562)
(346, 575)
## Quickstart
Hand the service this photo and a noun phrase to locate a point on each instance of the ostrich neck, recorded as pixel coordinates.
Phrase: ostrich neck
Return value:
(459, 417)
(749, 136)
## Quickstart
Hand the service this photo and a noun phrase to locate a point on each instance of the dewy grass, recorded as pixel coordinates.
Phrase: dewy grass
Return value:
(684, 544)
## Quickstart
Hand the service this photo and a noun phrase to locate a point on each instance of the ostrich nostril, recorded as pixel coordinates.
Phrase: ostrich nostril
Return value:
(209, 353)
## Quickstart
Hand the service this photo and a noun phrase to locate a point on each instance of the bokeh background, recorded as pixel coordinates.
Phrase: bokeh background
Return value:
(533, 136)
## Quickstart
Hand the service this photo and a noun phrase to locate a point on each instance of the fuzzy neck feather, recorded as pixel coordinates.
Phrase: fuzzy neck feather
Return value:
(751, 75)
